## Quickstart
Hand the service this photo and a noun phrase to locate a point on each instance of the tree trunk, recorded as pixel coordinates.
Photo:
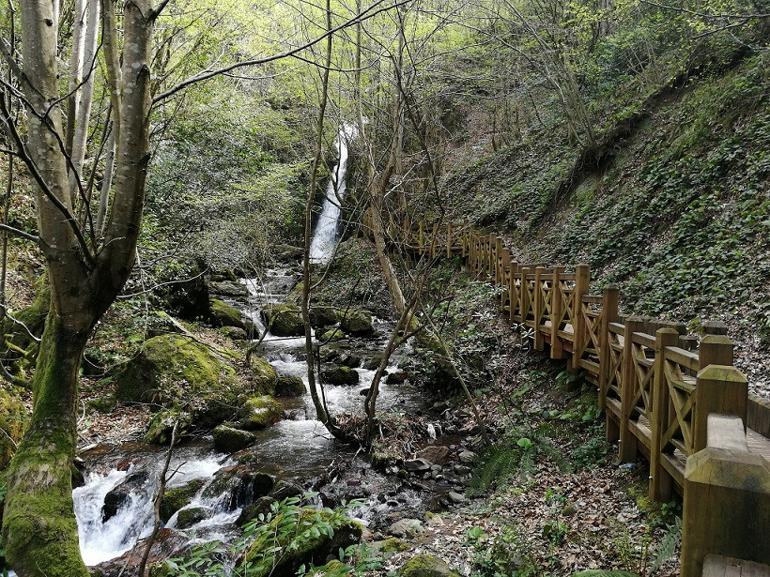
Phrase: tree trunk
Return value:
(39, 530)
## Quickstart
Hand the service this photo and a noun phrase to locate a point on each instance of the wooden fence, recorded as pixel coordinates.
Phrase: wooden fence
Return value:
(656, 386)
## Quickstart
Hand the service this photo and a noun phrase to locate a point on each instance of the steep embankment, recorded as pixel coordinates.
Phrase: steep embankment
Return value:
(677, 215)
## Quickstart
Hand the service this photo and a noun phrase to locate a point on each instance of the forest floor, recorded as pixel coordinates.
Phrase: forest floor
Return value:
(549, 498)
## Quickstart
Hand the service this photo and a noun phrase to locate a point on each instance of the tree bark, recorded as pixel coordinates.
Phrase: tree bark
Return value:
(39, 529)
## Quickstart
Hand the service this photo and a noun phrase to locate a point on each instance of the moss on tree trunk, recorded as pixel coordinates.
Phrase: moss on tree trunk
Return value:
(39, 528)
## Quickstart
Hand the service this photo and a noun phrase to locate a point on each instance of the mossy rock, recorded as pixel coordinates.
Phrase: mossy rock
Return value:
(297, 545)
(602, 573)
(425, 565)
(334, 568)
(191, 516)
(13, 420)
(179, 497)
(323, 316)
(332, 336)
(230, 440)
(264, 375)
(284, 320)
(162, 424)
(225, 315)
(175, 371)
(339, 375)
(260, 413)
(390, 546)
(356, 322)
(234, 333)
(289, 386)
(261, 506)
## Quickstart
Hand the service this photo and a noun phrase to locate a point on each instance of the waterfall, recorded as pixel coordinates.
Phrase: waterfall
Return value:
(325, 235)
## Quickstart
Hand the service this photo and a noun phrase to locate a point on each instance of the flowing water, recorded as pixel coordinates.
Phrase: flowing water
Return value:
(327, 227)
(298, 448)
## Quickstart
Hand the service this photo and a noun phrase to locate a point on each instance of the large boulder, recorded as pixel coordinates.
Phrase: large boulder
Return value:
(284, 320)
(339, 375)
(322, 316)
(174, 370)
(259, 413)
(238, 486)
(228, 288)
(13, 419)
(118, 497)
(263, 375)
(426, 565)
(282, 552)
(225, 315)
(192, 516)
(289, 386)
(356, 322)
(229, 439)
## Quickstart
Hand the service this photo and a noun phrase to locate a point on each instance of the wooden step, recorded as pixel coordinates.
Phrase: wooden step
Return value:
(717, 566)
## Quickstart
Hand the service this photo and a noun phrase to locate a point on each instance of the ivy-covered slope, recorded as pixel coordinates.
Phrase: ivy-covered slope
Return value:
(678, 217)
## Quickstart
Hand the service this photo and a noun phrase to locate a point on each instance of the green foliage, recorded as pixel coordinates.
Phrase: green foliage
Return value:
(506, 555)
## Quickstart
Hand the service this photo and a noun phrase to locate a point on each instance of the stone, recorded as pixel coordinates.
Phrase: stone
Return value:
(259, 413)
(263, 374)
(426, 565)
(289, 386)
(230, 440)
(186, 518)
(284, 320)
(456, 497)
(462, 470)
(234, 333)
(406, 528)
(323, 316)
(332, 336)
(390, 546)
(417, 465)
(467, 457)
(356, 322)
(240, 485)
(161, 426)
(437, 454)
(397, 378)
(339, 375)
(228, 288)
(373, 363)
(225, 315)
(119, 496)
(178, 497)
(284, 490)
(349, 360)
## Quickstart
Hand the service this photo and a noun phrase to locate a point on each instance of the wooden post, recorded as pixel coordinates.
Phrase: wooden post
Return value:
(726, 500)
(628, 442)
(499, 265)
(505, 296)
(492, 258)
(538, 307)
(557, 347)
(715, 350)
(660, 481)
(524, 298)
(512, 292)
(582, 283)
(610, 314)
(720, 389)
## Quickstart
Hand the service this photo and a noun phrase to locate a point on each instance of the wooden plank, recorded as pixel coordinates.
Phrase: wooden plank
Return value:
(683, 357)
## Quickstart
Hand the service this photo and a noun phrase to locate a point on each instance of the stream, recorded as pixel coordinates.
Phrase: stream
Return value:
(297, 449)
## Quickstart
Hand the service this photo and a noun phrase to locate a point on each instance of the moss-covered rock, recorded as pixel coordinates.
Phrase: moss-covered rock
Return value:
(297, 544)
(261, 506)
(284, 320)
(162, 424)
(332, 335)
(264, 375)
(179, 497)
(259, 413)
(225, 315)
(427, 566)
(390, 546)
(13, 420)
(191, 516)
(339, 375)
(289, 386)
(241, 483)
(323, 316)
(175, 371)
(356, 322)
(234, 333)
(229, 439)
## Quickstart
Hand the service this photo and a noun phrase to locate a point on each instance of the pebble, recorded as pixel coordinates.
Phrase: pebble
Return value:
(467, 457)
(456, 497)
